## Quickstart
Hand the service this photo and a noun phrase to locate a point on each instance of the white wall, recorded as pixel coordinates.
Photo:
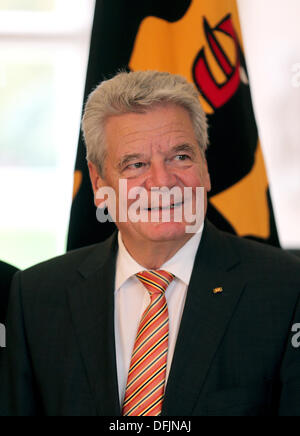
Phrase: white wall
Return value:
(42, 75)
(271, 30)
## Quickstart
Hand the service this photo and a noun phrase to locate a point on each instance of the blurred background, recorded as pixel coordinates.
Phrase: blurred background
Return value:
(44, 46)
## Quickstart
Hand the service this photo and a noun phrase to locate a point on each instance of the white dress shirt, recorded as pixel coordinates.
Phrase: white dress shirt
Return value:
(132, 299)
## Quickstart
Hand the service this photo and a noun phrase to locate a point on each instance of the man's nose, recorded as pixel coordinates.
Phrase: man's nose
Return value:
(160, 176)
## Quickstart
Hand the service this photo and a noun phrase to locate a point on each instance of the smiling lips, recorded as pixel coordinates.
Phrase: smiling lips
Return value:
(172, 206)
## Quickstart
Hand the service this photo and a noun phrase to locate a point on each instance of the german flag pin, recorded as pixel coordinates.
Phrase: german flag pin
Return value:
(218, 291)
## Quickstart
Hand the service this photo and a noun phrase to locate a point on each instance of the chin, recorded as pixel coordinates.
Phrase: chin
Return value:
(163, 231)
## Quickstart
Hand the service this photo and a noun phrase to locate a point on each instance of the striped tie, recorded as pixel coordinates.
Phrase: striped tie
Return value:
(147, 374)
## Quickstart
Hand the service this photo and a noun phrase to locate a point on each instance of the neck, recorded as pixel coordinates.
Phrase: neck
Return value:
(154, 254)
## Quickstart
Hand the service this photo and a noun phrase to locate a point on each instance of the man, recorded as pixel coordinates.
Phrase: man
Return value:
(156, 320)
(6, 274)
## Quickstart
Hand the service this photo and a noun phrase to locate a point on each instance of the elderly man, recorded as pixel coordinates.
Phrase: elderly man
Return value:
(158, 320)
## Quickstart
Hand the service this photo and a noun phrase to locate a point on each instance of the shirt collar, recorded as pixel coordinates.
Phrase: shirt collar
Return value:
(126, 265)
(181, 264)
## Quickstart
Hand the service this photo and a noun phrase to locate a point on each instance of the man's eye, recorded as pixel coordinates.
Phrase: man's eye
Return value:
(182, 157)
(135, 166)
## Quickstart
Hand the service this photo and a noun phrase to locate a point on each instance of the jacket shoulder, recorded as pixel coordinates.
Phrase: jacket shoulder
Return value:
(265, 260)
(65, 269)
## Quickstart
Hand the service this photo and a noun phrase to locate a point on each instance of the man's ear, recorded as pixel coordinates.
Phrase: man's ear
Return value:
(97, 182)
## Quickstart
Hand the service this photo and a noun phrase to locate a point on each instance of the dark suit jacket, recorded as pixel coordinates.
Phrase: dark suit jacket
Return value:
(6, 274)
(234, 353)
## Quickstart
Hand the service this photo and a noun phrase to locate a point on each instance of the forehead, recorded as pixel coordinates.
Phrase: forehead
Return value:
(162, 126)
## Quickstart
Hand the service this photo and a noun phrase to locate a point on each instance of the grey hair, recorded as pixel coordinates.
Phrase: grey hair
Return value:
(138, 92)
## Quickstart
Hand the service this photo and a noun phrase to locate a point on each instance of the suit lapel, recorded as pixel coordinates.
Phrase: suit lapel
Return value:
(92, 307)
(205, 318)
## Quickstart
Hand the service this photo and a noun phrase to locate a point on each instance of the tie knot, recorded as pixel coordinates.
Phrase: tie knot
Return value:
(156, 282)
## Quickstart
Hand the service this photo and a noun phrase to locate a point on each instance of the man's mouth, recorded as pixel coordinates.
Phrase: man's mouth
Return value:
(169, 207)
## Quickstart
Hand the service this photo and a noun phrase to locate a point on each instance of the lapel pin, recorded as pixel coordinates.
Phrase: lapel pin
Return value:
(218, 291)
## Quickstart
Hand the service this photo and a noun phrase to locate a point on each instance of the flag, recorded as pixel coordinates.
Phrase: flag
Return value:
(201, 40)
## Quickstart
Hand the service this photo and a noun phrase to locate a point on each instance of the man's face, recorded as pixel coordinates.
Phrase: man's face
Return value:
(157, 149)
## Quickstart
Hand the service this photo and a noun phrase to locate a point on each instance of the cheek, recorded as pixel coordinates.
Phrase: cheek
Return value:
(122, 189)
(134, 186)
(114, 181)
(193, 178)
